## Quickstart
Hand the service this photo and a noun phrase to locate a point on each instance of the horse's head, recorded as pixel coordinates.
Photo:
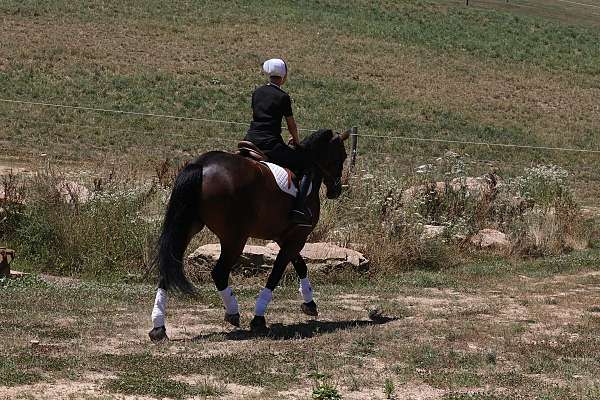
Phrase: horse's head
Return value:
(329, 155)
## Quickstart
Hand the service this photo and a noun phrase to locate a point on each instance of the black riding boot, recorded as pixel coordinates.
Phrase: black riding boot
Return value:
(300, 215)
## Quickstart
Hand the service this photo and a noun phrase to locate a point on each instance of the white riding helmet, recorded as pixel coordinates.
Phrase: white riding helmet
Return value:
(275, 67)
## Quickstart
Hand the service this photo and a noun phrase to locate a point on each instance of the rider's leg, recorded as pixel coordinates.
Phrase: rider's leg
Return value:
(298, 162)
(230, 253)
(300, 214)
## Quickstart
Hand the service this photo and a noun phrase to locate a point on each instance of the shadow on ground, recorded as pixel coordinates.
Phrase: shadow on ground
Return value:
(301, 330)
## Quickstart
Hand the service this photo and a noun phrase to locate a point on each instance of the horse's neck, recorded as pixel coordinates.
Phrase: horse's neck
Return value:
(316, 184)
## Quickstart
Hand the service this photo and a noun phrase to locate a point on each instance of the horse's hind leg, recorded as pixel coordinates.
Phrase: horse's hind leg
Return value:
(159, 332)
(230, 253)
(309, 307)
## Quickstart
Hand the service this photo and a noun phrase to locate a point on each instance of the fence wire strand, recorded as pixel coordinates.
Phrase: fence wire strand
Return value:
(386, 137)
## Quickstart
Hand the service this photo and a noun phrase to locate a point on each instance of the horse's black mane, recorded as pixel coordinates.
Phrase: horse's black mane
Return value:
(317, 139)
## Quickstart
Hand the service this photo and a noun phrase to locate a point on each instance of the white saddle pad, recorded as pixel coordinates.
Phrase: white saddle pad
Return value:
(282, 178)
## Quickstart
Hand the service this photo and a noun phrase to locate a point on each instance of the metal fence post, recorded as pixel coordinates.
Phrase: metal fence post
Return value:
(354, 136)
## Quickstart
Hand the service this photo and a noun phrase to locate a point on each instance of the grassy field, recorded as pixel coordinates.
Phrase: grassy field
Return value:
(464, 325)
(484, 331)
(422, 69)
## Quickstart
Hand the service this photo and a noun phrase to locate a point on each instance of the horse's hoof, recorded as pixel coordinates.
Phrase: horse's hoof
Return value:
(310, 308)
(233, 319)
(258, 326)
(158, 334)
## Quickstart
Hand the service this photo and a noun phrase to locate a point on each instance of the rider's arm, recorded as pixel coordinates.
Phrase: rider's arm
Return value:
(293, 128)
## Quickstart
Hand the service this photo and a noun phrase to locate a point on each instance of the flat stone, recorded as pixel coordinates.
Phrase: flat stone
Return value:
(18, 274)
(432, 231)
(323, 256)
(73, 192)
(490, 239)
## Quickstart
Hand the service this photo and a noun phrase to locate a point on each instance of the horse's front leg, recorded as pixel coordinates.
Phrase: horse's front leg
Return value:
(309, 307)
(258, 324)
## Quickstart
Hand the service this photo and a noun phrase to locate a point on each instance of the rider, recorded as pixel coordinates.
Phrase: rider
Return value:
(269, 105)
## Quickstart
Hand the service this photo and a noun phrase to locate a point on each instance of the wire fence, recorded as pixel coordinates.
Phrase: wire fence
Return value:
(391, 136)
(556, 9)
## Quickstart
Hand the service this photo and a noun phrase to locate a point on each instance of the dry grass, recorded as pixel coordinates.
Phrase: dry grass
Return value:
(513, 336)
(413, 85)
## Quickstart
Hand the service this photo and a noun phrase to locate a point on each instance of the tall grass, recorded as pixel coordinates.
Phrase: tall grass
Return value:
(387, 217)
(107, 235)
(110, 231)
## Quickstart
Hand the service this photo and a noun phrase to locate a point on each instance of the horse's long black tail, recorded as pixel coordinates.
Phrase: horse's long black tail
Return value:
(181, 217)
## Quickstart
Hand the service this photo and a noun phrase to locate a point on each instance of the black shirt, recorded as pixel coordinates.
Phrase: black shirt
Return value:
(269, 105)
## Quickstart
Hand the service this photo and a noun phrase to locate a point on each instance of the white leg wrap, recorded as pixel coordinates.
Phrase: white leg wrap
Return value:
(229, 300)
(158, 312)
(306, 290)
(264, 298)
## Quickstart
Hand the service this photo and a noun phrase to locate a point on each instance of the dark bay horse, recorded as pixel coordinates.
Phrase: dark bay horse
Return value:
(237, 198)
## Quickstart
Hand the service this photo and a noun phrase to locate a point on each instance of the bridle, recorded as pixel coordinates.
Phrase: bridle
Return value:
(337, 180)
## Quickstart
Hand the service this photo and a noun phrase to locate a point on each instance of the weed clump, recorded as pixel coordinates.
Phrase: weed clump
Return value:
(61, 227)
(427, 220)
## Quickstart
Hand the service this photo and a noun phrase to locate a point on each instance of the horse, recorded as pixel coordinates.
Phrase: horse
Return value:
(238, 198)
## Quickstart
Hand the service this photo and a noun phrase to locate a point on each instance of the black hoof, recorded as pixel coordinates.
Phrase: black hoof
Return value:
(310, 308)
(158, 334)
(258, 326)
(233, 319)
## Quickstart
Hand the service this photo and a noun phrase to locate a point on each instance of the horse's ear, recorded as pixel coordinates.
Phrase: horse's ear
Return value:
(344, 136)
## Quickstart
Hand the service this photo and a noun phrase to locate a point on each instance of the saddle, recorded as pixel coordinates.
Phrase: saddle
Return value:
(249, 150)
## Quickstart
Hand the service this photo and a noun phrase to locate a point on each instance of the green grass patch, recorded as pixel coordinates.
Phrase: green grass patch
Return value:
(25, 367)
(159, 387)
(486, 34)
(227, 368)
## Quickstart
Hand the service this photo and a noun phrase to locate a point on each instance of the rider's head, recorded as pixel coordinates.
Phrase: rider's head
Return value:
(276, 69)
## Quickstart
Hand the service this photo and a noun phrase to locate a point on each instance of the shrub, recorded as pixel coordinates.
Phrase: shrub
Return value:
(387, 215)
(106, 235)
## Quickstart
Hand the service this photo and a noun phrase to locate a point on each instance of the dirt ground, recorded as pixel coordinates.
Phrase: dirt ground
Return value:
(526, 336)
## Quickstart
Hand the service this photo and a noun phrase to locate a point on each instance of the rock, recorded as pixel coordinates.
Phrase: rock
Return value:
(478, 186)
(490, 239)
(327, 256)
(73, 192)
(259, 258)
(475, 186)
(256, 259)
(590, 212)
(432, 231)
(18, 274)
(414, 192)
